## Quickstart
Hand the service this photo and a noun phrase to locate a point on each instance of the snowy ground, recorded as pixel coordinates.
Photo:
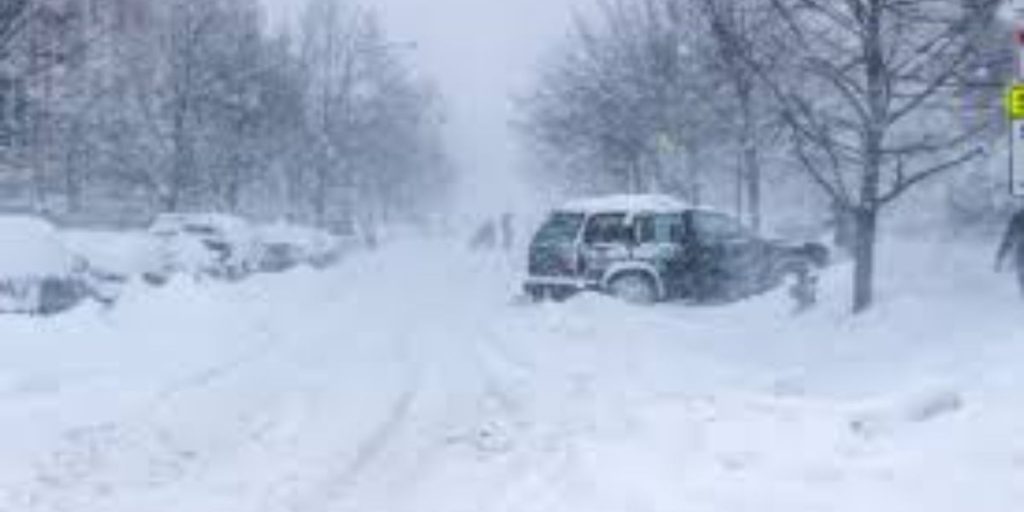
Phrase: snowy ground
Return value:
(410, 381)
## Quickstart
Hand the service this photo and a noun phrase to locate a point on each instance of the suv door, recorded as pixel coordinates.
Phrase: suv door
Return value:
(607, 238)
(726, 257)
(659, 241)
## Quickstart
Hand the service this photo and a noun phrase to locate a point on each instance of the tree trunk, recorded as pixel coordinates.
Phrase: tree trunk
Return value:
(320, 195)
(751, 165)
(874, 135)
(864, 259)
(72, 181)
(179, 159)
(753, 181)
(233, 194)
(693, 175)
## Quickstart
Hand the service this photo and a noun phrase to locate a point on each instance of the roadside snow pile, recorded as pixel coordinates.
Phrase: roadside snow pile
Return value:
(407, 380)
(30, 247)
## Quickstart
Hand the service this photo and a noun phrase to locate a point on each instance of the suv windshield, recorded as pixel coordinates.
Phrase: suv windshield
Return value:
(560, 228)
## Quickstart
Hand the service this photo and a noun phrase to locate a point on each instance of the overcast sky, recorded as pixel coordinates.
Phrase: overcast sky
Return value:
(481, 53)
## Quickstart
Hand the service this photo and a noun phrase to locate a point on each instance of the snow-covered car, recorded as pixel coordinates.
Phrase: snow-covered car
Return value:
(648, 248)
(286, 246)
(210, 245)
(38, 273)
(121, 255)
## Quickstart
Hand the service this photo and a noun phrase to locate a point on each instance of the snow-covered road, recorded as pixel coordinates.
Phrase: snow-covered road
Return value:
(410, 380)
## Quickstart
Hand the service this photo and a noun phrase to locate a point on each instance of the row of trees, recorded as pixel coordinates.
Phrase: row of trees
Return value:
(866, 99)
(125, 108)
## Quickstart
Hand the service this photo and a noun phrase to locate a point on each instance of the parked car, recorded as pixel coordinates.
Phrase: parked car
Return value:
(38, 273)
(651, 248)
(286, 246)
(210, 245)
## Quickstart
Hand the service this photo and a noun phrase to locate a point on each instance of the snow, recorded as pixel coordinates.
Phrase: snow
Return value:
(627, 203)
(410, 380)
(31, 248)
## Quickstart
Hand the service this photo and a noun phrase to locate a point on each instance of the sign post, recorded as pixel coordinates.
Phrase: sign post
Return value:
(1015, 105)
(1015, 111)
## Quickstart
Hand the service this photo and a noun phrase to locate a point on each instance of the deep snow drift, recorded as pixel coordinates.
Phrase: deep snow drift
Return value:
(410, 380)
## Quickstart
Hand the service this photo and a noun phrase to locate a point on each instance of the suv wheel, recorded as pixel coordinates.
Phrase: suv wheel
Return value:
(634, 288)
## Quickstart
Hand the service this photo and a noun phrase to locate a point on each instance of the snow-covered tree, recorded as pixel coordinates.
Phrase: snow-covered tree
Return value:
(628, 101)
(126, 108)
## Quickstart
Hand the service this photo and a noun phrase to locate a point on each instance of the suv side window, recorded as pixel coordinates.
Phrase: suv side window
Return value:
(660, 229)
(716, 227)
(607, 228)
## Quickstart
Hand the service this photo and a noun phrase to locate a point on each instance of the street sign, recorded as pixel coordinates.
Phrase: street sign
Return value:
(1015, 102)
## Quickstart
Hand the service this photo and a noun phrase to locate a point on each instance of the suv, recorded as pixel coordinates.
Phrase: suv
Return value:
(647, 249)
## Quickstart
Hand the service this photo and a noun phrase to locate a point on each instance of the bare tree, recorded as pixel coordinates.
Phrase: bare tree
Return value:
(741, 32)
(631, 97)
(150, 106)
(871, 93)
(367, 116)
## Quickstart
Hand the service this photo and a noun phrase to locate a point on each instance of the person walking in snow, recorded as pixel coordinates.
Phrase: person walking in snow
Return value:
(485, 238)
(508, 232)
(804, 290)
(1013, 243)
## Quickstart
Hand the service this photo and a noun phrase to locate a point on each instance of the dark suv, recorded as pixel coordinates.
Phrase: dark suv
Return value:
(653, 248)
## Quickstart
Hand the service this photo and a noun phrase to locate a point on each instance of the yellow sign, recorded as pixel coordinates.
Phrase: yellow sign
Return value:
(1015, 101)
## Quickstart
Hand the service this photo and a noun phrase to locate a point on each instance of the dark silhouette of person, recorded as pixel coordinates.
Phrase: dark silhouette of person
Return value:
(508, 233)
(1013, 243)
(485, 238)
(804, 290)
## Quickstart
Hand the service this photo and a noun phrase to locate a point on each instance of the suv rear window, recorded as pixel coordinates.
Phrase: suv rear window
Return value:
(560, 228)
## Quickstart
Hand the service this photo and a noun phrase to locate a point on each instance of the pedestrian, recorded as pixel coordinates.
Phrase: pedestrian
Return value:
(804, 290)
(1013, 243)
(508, 233)
(485, 238)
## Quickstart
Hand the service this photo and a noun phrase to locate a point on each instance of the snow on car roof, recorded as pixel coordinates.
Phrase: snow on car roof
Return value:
(31, 247)
(627, 203)
(214, 224)
(209, 219)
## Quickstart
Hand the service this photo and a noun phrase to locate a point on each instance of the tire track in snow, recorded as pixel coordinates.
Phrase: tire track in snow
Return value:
(344, 477)
(341, 481)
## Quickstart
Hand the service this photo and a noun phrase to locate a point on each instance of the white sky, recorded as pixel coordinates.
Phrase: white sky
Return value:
(481, 53)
